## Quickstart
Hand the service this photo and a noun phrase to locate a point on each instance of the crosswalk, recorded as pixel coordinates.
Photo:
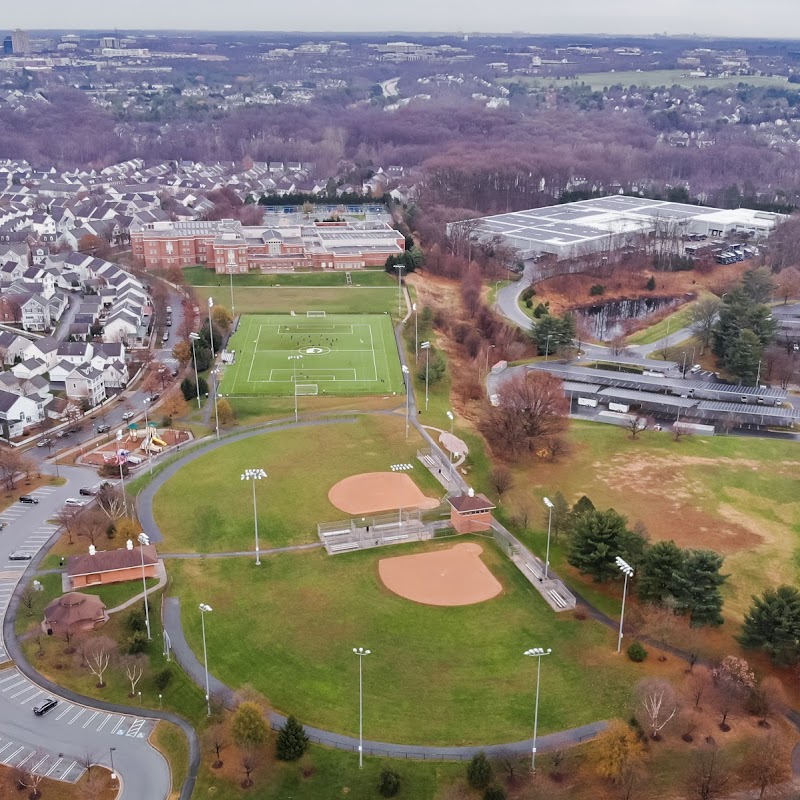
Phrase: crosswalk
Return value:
(16, 688)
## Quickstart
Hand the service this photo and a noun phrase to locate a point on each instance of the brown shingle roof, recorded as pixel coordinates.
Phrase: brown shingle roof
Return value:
(108, 560)
(73, 608)
(465, 502)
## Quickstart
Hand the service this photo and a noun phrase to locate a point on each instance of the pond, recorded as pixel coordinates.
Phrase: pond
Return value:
(608, 320)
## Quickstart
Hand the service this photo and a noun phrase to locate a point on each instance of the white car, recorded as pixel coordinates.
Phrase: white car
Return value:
(74, 501)
(127, 415)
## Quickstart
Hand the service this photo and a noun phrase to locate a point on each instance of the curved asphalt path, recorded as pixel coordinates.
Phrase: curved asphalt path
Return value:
(144, 771)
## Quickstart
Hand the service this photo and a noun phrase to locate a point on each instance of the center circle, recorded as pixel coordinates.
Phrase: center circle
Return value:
(314, 351)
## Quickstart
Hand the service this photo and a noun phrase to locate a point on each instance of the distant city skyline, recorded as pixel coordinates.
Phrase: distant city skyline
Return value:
(724, 18)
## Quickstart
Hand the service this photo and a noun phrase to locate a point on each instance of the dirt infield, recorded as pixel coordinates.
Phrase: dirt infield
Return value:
(371, 492)
(452, 577)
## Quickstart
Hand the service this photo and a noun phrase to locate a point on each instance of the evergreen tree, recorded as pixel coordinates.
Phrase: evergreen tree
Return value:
(479, 771)
(697, 587)
(744, 355)
(560, 520)
(292, 741)
(773, 624)
(598, 537)
(583, 505)
(389, 783)
(558, 331)
(659, 566)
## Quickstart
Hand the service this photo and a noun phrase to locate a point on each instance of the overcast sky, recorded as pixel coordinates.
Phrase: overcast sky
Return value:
(778, 18)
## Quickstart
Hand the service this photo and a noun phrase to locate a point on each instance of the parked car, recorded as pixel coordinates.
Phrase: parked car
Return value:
(74, 430)
(127, 415)
(695, 369)
(44, 442)
(28, 500)
(165, 337)
(74, 501)
(87, 491)
(153, 397)
(169, 322)
(20, 555)
(43, 708)
(3, 525)
(103, 428)
(62, 434)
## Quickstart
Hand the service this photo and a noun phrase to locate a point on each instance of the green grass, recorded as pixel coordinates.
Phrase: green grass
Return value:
(324, 774)
(202, 276)
(207, 508)
(171, 742)
(436, 675)
(341, 355)
(671, 323)
(653, 78)
(116, 594)
(283, 299)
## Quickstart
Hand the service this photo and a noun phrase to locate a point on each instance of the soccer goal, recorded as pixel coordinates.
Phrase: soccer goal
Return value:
(316, 314)
(303, 389)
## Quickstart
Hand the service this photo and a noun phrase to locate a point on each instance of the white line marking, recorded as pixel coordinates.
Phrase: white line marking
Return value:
(68, 770)
(53, 768)
(66, 710)
(88, 721)
(5, 747)
(77, 716)
(32, 697)
(12, 686)
(27, 758)
(103, 723)
(40, 763)
(15, 753)
(119, 722)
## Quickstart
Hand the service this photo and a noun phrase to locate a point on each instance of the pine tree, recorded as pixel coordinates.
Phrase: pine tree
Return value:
(597, 538)
(660, 564)
(697, 587)
(389, 783)
(560, 514)
(479, 771)
(773, 623)
(583, 505)
(292, 741)
(744, 355)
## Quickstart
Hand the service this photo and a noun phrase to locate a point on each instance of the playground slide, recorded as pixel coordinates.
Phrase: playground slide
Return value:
(159, 442)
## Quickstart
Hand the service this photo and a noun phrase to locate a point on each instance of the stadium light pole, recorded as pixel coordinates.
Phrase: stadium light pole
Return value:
(294, 360)
(490, 347)
(426, 346)
(537, 653)
(211, 329)
(144, 540)
(416, 332)
(361, 652)
(121, 475)
(627, 569)
(549, 505)
(452, 455)
(399, 268)
(194, 337)
(254, 475)
(204, 609)
(216, 413)
(233, 307)
(407, 379)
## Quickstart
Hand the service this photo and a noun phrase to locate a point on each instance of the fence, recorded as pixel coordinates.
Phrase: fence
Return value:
(374, 531)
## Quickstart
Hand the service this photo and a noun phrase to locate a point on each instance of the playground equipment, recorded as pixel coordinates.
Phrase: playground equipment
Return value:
(152, 443)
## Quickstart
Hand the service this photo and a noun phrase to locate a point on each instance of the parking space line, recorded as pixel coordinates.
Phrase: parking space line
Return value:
(77, 716)
(103, 723)
(13, 685)
(54, 767)
(22, 691)
(27, 758)
(10, 677)
(119, 722)
(32, 697)
(7, 760)
(135, 727)
(5, 747)
(40, 763)
(89, 721)
(68, 770)
(66, 710)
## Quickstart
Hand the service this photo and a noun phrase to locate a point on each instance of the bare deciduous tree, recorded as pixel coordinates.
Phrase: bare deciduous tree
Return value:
(501, 479)
(635, 424)
(766, 764)
(251, 760)
(658, 704)
(96, 655)
(708, 776)
(111, 502)
(133, 666)
(217, 740)
(26, 598)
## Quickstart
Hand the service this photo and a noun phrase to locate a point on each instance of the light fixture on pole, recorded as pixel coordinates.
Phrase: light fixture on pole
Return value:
(204, 609)
(233, 307)
(490, 347)
(111, 754)
(537, 653)
(121, 475)
(144, 541)
(547, 346)
(147, 434)
(216, 411)
(193, 337)
(549, 505)
(416, 332)
(361, 652)
(407, 381)
(426, 346)
(254, 475)
(210, 328)
(627, 569)
(294, 360)
(452, 455)
(399, 268)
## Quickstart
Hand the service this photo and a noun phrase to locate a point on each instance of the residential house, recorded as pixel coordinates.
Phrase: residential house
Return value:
(86, 385)
(17, 413)
(12, 346)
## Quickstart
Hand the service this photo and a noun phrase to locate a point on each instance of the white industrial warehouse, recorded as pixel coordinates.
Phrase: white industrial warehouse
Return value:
(607, 223)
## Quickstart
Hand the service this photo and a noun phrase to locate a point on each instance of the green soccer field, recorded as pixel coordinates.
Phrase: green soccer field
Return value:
(341, 354)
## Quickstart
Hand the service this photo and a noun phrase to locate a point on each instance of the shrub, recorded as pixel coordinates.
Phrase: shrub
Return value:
(494, 792)
(540, 310)
(389, 783)
(137, 644)
(528, 293)
(135, 620)
(162, 678)
(651, 284)
(479, 771)
(292, 741)
(637, 653)
(597, 289)
(529, 303)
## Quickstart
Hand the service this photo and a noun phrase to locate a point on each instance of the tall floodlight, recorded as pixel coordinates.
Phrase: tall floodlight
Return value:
(204, 609)
(627, 570)
(193, 337)
(549, 526)
(407, 380)
(255, 475)
(361, 652)
(144, 541)
(426, 346)
(538, 653)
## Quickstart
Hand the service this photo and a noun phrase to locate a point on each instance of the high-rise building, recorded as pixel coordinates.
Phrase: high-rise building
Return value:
(8, 46)
(20, 42)
(109, 42)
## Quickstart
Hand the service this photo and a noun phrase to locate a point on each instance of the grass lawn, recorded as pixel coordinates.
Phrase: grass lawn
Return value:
(170, 741)
(283, 299)
(436, 675)
(735, 495)
(661, 77)
(202, 276)
(205, 507)
(340, 354)
(671, 323)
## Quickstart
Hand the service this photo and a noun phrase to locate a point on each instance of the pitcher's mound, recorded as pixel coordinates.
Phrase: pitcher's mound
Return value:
(452, 577)
(371, 492)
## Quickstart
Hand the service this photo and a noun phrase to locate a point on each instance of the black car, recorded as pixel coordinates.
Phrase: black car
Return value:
(28, 500)
(43, 708)
(87, 491)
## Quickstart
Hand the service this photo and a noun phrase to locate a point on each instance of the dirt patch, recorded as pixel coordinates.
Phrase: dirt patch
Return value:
(371, 492)
(452, 577)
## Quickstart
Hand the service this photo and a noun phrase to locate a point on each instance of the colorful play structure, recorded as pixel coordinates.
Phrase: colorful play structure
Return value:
(150, 441)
